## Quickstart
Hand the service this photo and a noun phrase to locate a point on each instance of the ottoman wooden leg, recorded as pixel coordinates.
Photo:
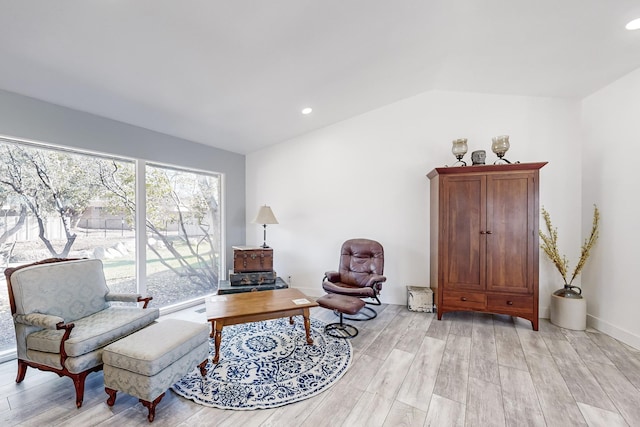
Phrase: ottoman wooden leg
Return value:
(112, 395)
(152, 406)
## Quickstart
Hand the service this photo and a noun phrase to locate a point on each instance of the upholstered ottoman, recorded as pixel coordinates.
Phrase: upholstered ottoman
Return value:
(342, 304)
(145, 364)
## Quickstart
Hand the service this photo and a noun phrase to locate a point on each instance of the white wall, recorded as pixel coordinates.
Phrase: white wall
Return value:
(365, 177)
(611, 122)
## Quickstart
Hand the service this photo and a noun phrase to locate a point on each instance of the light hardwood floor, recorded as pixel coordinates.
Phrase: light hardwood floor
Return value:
(409, 369)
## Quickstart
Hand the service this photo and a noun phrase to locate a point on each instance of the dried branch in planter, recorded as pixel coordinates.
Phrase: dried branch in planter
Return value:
(549, 246)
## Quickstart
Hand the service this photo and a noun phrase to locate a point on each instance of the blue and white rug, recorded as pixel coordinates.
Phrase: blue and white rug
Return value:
(268, 364)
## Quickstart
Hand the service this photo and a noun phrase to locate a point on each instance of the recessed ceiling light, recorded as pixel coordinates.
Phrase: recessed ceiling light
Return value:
(633, 25)
(307, 110)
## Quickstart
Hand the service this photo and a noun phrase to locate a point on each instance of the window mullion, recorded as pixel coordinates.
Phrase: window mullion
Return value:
(141, 228)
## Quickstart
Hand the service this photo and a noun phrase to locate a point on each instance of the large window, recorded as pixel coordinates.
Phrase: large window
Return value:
(183, 233)
(60, 203)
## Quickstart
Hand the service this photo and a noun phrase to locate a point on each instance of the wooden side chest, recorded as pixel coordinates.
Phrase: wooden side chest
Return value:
(248, 259)
(225, 287)
(254, 278)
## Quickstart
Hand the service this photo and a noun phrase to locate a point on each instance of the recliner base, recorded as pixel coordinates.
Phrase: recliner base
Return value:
(341, 330)
(366, 313)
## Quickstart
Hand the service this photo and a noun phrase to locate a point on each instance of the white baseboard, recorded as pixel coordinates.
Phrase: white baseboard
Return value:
(593, 322)
(544, 313)
(8, 355)
(620, 334)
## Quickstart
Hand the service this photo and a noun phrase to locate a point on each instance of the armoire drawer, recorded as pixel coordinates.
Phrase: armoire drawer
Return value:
(464, 300)
(512, 303)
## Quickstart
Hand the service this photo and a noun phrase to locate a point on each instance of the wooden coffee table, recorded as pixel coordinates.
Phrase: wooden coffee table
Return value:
(254, 307)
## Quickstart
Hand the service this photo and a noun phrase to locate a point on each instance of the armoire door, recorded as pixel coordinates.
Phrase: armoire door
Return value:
(463, 215)
(510, 233)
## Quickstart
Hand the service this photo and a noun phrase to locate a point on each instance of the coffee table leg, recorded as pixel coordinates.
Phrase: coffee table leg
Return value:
(307, 326)
(218, 329)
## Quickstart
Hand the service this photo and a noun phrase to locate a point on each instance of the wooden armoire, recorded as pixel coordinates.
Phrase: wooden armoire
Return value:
(484, 239)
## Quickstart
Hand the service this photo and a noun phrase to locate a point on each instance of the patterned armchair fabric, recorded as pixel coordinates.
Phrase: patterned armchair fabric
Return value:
(63, 317)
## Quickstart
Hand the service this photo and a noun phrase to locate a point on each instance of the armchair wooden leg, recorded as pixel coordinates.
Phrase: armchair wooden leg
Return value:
(78, 382)
(22, 371)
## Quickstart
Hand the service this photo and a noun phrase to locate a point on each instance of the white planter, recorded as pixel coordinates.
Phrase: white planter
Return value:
(569, 313)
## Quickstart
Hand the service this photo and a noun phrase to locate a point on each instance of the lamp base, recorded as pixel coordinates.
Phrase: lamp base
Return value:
(501, 159)
(264, 237)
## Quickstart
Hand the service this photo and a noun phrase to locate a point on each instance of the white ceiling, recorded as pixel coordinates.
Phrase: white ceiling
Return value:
(235, 74)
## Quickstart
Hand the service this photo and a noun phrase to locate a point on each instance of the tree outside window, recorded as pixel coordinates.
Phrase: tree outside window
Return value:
(56, 203)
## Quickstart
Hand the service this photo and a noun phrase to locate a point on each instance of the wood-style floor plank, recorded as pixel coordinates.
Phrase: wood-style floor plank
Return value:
(408, 369)
(484, 404)
(508, 345)
(521, 405)
(453, 375)
(417, 388)
(291, 415)
(581, 382)
(624, 395)
(388, 379)
(335, 407)
(444, 412)
(597, 417)
(483, 359)
(626, 361)
(370, 411)
(558, 405)
(403, 415)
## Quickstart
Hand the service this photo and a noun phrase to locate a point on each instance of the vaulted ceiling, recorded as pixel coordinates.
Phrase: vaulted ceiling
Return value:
(235, 74)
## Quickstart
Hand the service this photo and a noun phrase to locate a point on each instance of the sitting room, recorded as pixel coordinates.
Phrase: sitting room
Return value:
(301, 213)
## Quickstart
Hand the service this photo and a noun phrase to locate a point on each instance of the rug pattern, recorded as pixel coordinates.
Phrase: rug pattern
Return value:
(268, 364)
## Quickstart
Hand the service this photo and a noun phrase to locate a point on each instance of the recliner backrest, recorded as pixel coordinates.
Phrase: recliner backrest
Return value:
(359, 259)
(70, 289)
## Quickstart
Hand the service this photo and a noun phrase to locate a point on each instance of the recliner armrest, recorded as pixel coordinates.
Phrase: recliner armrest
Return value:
(332, 276)
(39, 320)
(376, 279)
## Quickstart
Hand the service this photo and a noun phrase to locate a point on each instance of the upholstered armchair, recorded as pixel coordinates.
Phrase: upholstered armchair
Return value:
(359, 274)
(63, 317)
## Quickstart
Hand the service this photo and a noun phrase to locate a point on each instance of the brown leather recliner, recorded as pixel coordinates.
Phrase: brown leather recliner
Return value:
(359, 275)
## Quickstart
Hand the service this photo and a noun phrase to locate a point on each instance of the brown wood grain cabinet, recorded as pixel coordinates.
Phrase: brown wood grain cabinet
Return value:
(484, 239)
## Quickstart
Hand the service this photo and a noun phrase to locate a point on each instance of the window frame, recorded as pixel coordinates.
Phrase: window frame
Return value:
(140, 165)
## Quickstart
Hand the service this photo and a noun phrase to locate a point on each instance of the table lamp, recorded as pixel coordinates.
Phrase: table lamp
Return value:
(265, 216)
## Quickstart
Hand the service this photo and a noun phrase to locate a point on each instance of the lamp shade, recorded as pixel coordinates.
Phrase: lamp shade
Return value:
(265, 216)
